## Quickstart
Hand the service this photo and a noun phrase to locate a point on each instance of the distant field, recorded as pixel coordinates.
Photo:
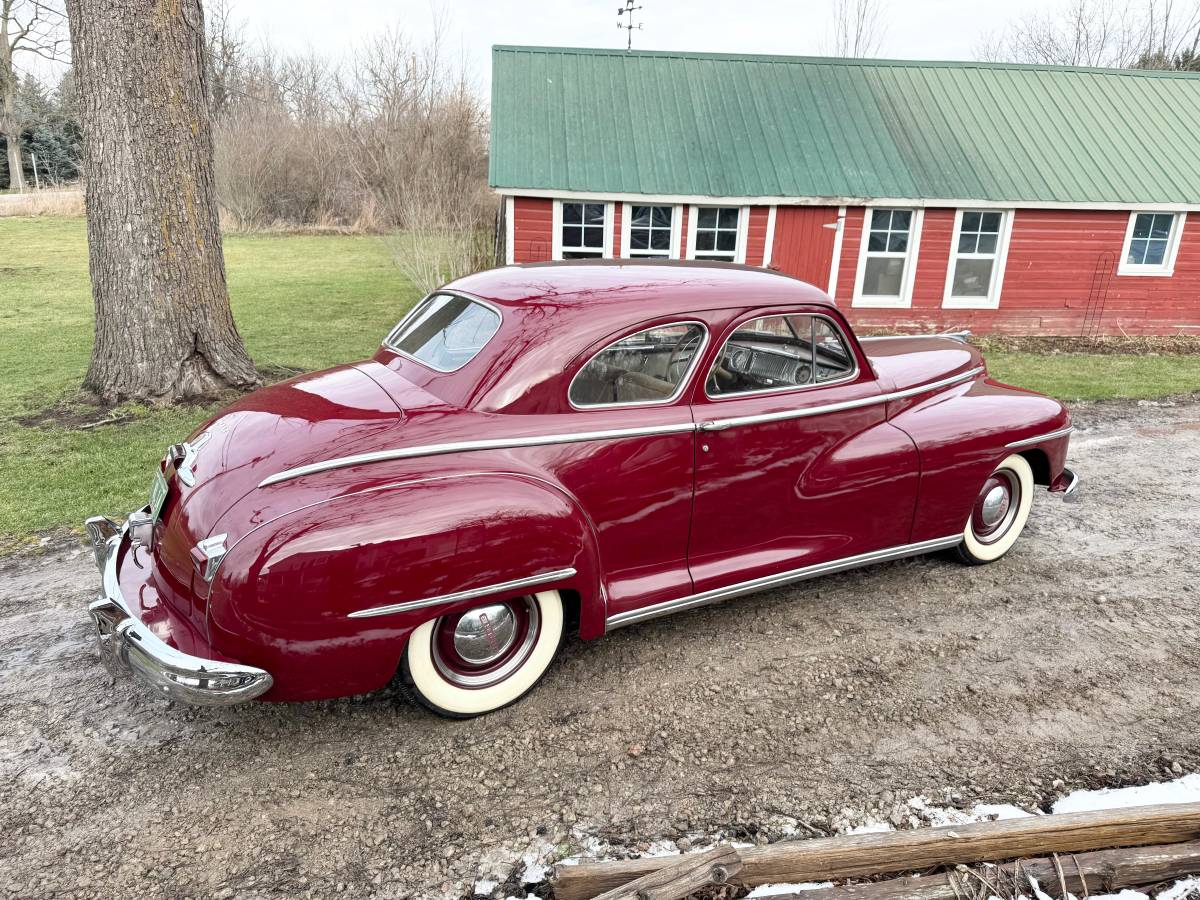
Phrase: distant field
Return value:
(301, 302)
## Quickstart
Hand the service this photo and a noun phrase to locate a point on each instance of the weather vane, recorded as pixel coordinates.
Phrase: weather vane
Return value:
(627, 24)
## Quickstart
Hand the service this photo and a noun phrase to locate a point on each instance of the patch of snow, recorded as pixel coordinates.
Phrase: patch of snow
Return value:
(484, 887)
(871, 826)
(1126, 894)
(1179, 889)
(1181, 790)
(770, 890)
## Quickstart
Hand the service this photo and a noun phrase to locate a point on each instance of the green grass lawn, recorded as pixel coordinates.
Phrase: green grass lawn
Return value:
(301, 302)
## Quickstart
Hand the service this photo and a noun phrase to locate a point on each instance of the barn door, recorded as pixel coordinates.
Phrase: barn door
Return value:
(803, 247)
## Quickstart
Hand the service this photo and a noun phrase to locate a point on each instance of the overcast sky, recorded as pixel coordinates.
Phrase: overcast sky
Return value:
(925, 29)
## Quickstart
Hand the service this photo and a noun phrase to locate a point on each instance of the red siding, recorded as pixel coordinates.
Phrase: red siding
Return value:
(1058, 262)
(756, 234)
(802, 246)
(618, 208)
(533, 226)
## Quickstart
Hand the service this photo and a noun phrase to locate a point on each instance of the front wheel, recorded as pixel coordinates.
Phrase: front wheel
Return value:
(999, 513)
(470, 663)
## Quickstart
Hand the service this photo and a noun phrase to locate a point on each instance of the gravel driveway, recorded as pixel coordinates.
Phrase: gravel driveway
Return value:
(1076, 659)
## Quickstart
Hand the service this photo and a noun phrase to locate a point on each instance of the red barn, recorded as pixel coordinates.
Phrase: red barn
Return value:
(996, 197)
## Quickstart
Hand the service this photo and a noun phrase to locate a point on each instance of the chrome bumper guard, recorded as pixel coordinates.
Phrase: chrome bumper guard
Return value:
(126, 645)
(1072, 486)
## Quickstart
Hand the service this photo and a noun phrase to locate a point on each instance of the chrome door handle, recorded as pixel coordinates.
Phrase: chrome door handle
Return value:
(714, 426)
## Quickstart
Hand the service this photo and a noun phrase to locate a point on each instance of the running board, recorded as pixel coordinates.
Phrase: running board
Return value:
(716, 595)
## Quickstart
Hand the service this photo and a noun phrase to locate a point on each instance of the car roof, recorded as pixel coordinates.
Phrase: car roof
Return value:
(555, 312)
(648, 287)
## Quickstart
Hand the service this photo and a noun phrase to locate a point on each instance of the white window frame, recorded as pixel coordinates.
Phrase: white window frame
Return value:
(999, 263)
(904, 301)
(627, 226)
(557, 223)
(739, 252)
(1167, 269)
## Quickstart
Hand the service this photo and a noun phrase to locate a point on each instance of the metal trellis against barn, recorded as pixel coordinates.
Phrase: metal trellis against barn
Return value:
(1102, 275)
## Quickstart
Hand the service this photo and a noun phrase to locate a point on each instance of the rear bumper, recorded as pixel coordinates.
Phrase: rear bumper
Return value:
(128, 646)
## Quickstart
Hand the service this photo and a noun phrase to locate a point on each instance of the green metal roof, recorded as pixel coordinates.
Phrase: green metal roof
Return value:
(693, 124)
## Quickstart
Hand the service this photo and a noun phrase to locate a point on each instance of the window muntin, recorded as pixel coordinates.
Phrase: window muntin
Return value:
(773, 353)
(888, 243)
(647, 367)
(582, 230)
(716, 233)
(650, 229)
(445, 331)
(1150, 239)
(977, 256)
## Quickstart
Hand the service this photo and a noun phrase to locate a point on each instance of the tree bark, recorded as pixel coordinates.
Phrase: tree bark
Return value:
(164, 329)
(10, 128)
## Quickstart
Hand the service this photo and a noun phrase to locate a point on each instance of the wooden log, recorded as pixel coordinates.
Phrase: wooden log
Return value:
(685, 875)
(850, 856)
(1100, 871)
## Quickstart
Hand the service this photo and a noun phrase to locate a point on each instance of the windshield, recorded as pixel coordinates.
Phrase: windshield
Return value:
(445, 331)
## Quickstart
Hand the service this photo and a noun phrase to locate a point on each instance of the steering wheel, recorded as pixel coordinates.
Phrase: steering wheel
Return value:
(686, 342)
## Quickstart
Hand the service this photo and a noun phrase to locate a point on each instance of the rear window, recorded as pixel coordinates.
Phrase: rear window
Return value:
(445, 331)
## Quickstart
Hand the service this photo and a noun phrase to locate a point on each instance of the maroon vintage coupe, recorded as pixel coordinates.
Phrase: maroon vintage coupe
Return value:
(541, 448)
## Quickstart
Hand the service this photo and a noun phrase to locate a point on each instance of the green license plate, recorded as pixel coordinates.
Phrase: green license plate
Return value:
(158, 495)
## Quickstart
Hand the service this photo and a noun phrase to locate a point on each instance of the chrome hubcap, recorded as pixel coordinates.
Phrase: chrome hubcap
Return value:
(995, 505)
(485, 634)
(487, 644)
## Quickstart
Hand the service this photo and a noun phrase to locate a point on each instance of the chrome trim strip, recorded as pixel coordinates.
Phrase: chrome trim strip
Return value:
(515, 585)
(542, 440)
(770, 581)
(1029, 442)
(546, 440)
(781, 415)
(960, 336)
(683, 382)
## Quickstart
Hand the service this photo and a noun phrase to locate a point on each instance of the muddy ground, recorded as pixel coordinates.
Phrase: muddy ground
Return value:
(1073, 662)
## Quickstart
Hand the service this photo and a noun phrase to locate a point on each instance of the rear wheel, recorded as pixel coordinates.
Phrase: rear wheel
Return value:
(999, 514)
(474, 662)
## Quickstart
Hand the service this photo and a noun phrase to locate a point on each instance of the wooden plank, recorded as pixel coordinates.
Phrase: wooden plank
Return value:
(1100, 871)
(851, 856)
(685, 875)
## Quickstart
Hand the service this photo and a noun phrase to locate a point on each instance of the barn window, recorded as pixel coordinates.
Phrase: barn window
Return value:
(718, 233)
(977, 254)
(582, 230)
(888, 257)
(651, 231)
(1151, 242)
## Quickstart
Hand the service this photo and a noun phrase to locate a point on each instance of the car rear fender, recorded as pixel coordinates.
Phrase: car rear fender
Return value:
(325, 596)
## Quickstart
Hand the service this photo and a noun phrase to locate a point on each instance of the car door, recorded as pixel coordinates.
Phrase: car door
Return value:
(637, 489)
(796, 463)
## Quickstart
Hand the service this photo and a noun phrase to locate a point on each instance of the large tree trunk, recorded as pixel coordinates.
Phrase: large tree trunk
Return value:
(164, 329)
(10, 128)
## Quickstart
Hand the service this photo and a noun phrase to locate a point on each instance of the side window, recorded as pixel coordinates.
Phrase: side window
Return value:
(650, 366)
(777, 352)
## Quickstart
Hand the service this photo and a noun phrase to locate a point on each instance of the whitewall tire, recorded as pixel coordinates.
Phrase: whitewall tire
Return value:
(999, 512)
(484, 658)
